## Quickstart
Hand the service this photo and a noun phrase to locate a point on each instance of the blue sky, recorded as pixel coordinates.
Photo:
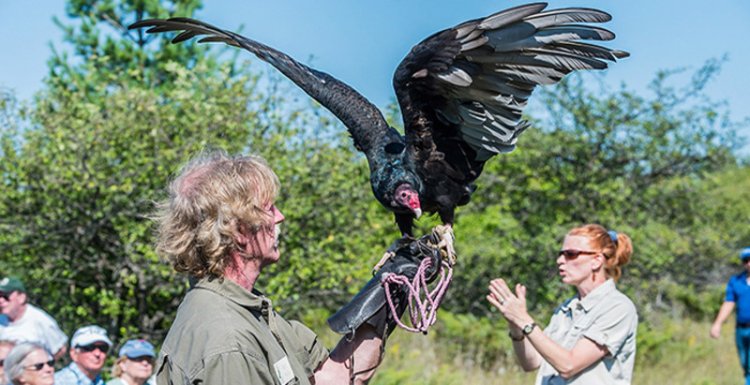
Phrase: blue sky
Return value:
(362, 42)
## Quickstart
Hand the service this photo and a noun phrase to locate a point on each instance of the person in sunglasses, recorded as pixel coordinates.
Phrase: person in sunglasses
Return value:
(134, 365)
(29, 363)
(88, 350)
(738, 295)
(26, 322)
(590, 338)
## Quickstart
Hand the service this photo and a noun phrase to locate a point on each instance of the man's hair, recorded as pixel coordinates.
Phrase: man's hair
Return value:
(14, 361)
(213, 197)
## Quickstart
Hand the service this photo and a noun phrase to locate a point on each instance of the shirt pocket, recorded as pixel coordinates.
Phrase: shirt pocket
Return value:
(162, 370)
(579, 327)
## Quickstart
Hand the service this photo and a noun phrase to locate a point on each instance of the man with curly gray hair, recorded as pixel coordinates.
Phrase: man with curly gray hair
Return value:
(220, 225)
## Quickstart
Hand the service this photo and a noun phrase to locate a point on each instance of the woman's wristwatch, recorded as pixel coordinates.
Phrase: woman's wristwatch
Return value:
(526, 330)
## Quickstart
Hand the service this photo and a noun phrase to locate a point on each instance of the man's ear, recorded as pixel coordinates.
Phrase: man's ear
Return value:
(242, 235)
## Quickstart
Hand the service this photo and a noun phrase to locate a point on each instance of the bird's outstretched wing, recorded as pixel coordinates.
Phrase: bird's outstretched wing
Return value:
(462, 90)
(363, 120)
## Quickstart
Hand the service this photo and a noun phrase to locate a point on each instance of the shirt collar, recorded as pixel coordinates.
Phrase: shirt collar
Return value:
(569, 304)
(227, 288)
(597, 295)
(82, 378)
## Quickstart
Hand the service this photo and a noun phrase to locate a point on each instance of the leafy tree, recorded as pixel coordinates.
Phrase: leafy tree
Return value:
(83, 165)
(105, 135)
(612, 157)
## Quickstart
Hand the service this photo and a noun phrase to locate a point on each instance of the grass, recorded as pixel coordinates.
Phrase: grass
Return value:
(669, 352)
(690, 356)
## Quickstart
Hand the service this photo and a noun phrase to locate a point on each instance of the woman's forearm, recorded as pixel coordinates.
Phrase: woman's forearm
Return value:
(527, 356)
(566, 362)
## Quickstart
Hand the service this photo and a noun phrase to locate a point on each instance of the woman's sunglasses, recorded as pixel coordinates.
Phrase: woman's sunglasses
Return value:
(573, 253)
(40, 366)
(147, 359)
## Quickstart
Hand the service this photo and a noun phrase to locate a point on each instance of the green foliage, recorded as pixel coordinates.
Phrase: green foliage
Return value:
(478, 339)
(83, 182)
(82, 167)
(99, 36)
(642, 166)
(103, 139)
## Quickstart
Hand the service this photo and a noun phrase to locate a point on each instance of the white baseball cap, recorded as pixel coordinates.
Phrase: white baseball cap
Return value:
(87, 335)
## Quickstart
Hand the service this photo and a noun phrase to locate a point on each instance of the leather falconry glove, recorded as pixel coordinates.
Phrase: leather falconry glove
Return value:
(369, 305)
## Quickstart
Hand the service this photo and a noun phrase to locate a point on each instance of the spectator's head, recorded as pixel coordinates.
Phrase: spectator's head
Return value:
(218, 206)
(745, 257)
(88, 349)
(135, 362)
(591, 250)
(29, 364)
(5, 348)
(12, 297)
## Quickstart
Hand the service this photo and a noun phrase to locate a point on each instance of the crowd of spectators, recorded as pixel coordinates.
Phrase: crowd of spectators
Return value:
(32, 346)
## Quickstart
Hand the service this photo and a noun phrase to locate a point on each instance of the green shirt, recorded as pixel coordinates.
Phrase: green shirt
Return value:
(223, 334)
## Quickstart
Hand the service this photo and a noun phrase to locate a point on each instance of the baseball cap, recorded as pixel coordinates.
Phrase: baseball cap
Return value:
(137, 348)
(87, 335)
(745, 253)
(9, 284)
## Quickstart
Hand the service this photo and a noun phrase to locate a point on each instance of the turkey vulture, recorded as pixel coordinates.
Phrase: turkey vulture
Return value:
(461, 92)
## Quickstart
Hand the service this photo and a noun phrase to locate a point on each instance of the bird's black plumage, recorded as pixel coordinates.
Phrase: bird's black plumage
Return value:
(461, 92)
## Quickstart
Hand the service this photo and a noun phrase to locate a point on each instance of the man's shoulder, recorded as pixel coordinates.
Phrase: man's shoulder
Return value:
(201, 311)
(207, 323)
(191, 345)
(37, 315)
(737, 282)
(203, 303)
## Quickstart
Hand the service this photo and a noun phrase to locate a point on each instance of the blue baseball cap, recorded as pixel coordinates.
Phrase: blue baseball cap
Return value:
(745, 253)
(137, 348)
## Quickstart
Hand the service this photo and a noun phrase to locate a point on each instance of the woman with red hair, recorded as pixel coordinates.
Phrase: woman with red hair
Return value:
(590, 338)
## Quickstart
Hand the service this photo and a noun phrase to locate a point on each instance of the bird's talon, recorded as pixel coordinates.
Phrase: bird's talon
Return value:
(388, 255)
(445, 235)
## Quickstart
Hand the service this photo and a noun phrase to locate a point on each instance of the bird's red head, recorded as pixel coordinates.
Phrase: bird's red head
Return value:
(408, 198)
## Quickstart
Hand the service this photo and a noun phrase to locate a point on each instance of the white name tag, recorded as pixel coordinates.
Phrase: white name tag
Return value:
(283, 370)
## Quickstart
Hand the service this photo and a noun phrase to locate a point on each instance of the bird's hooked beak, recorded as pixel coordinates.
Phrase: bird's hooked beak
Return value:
(407, 197)
(417, 210)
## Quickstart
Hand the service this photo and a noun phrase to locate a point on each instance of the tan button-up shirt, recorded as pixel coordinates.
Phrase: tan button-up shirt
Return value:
(225, 335)
(605, 316)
